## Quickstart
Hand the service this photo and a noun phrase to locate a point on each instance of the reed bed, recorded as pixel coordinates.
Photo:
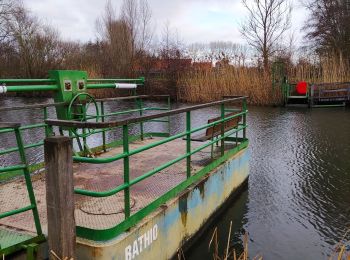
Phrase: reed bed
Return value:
(209, 85)
(229, 253)
(206, 86)
(327, 70)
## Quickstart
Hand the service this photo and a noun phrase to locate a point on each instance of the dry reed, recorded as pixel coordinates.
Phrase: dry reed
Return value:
(328, 70)
(58, 258)
(229, 253)
(205, 86)
(341, 250)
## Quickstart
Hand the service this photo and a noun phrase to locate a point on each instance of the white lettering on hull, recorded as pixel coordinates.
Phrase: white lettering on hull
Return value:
(141, 243)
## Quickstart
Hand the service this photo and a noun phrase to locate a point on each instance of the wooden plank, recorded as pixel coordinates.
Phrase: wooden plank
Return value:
(60, 196)
(9, 125)
(99, 125)
(216, 130)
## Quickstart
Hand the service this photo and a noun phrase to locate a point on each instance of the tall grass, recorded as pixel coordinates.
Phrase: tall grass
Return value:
(208, 85)
(229, 253)
(326, 70)
(204, 86)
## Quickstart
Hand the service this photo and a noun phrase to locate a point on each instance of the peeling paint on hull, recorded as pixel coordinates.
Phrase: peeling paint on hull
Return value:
(176, 221)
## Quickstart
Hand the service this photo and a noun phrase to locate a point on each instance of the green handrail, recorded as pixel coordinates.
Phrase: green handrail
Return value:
(163, 117)
(127, 152)
(152, 145)
(152, 172)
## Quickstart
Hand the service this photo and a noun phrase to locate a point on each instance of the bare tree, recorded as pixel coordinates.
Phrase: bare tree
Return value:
(267, 22)
(145, 26)
(171, 46)
(117, 45)
(129, 15)
(196, 51)
(6, 9)
(37, 46)
(328, 27)
(125, 38)
(137, 15)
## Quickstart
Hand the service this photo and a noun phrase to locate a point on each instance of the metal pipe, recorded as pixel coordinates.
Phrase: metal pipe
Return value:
(188, 144)
(27, 80)
(16, 211)
(126, 171)
(141, 80)
(100, 86)
(32, 88)
(12, 168)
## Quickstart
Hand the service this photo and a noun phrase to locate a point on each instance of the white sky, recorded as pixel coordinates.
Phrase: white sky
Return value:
(195, 20)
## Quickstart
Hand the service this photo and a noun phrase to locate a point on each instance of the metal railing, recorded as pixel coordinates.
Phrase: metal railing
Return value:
(23, 167)
(191, 177)
(141, 109)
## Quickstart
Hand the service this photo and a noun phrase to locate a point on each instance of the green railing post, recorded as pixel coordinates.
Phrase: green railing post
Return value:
(244, 107)
(169, 107)
(222, 129)
(140, 106)
(47, 130)
(126, 171)
(188, 143)
(85, 152)
(32, 249)
(103, 131)
(28, 181)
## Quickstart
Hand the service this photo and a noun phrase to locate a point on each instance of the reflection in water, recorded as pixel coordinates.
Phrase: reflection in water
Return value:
(237, 214)
(298, 204)
(298, 201)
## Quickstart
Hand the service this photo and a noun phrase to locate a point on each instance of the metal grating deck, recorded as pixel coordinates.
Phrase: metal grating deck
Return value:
(103, 213)
(10, 238)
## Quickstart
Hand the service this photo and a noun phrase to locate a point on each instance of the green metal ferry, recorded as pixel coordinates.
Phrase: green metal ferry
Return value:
(138, 194)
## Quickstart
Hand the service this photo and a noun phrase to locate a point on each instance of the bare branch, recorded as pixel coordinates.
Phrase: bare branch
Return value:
(267, 22)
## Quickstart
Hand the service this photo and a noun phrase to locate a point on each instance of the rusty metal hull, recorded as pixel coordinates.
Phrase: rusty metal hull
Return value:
(161, 234)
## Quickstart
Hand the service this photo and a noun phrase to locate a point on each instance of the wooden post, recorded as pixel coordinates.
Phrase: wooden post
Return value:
(60, 196)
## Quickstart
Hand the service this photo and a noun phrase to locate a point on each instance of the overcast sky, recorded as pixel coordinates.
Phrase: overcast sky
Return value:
(195, 20)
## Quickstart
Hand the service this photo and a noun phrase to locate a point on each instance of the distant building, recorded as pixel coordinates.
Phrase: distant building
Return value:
(159, 66)
(203, 66)
(222, 64)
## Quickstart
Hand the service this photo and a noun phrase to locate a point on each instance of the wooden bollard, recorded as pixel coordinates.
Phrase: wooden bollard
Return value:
(60, 197)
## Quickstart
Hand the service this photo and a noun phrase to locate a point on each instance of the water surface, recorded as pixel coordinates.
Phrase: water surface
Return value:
(297, 205)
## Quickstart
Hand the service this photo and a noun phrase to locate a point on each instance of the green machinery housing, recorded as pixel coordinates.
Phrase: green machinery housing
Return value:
(315, 94)
(69, 86)
(81, 116)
